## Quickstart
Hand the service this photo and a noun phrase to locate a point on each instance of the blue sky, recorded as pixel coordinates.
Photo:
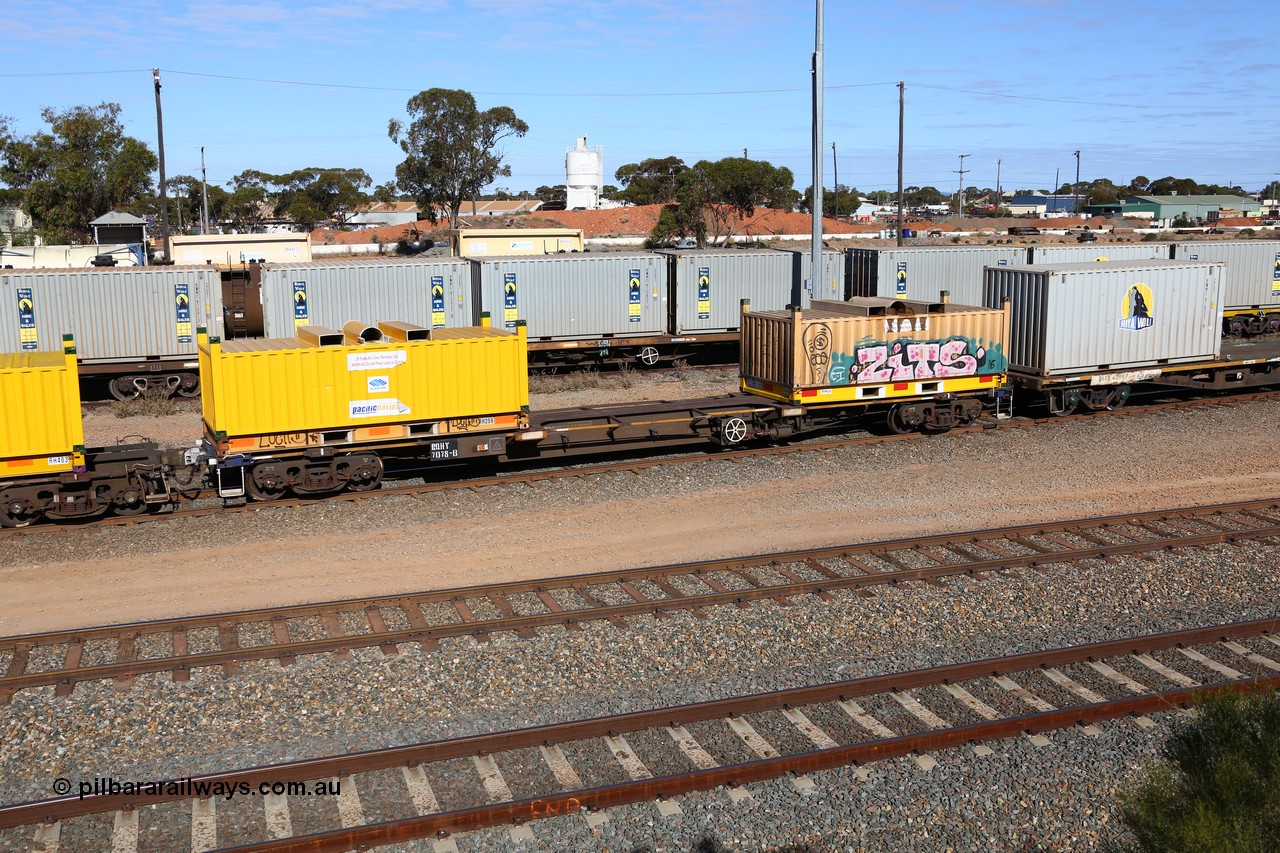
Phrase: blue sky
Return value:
(1170, 88)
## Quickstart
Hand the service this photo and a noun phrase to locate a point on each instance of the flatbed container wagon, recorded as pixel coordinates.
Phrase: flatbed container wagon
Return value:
(322, 411)
(1082, 334)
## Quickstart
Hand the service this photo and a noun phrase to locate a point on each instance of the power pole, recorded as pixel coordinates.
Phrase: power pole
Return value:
(999, 191)
(815, 268)
(164, 192)
(744, 154)
(204, 196)
(962, 170)
(835, 178)
(1056, 185)
(902, 94)
(1076, 187)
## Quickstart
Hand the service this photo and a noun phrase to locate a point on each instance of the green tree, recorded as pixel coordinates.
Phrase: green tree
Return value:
(450, 148)
(553, 198)
(1218, 786)
(1271, 190)
(386, 193)
(312, 195)
(81, 168)
(651, 181)
(847, 197)
(724, 192)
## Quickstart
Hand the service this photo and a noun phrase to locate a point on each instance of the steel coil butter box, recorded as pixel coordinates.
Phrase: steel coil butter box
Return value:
(363, 377)
(40, 426)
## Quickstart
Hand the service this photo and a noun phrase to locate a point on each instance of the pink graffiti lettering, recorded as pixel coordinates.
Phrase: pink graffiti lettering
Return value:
(904, 360)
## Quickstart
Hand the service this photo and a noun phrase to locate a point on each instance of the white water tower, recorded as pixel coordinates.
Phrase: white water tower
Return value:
(584, 176)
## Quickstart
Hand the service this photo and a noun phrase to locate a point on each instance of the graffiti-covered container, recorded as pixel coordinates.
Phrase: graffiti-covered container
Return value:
(871, 349)
(1122, 315)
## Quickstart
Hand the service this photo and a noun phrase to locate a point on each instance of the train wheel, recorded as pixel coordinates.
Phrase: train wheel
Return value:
(188, 385)
(366, 475)
(265, 485)
(900, 421)
(16, 513)
(648, 356)
(124, 388)
(1271, 324)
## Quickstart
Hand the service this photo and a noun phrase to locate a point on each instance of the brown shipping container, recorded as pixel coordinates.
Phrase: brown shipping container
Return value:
(842, 344)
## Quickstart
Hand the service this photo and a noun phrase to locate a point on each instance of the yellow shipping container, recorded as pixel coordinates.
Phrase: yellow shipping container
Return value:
(409, 381)
(872, 349)
(41, 430)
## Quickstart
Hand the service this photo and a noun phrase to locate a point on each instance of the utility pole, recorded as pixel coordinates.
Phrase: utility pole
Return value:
(204, 196)
(1076, 187)
(962, 170)
(835, 178)
(744, 154)
(164, 192)
(902, 93)
(1056, 185)
(999, 191)
(815, 268)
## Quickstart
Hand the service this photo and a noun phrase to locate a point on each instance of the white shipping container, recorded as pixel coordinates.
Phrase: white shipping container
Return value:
(1253, 269)
(920, 273)
(830, 285)
(1097, 252)
(708, 286)
(427, 292)
(117, 314)
(1124, 315)
(575, 297)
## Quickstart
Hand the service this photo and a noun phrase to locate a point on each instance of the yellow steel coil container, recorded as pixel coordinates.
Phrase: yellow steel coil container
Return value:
(41, 430)
(833, 351)
(283, 386)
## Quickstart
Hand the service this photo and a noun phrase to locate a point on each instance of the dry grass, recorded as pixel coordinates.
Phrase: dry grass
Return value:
(149, 404)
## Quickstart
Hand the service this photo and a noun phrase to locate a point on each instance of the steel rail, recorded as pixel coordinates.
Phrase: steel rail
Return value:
(72, 675)
(735, 775)
(47, 811)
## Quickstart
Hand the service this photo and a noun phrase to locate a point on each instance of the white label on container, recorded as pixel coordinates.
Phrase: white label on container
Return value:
(376, 360)
(377, 408)
(379, 384)
(522, 245)
(59, 460)
(1124, 378)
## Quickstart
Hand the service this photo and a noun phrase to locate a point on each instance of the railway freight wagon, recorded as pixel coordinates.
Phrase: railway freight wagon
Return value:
(45, 469)
(708, 285)
(429, 292)
(590, 306)
(1084, 333)
(133, 325)
(919, 365)
(1251, 298)
(322, 411)
(922, 272)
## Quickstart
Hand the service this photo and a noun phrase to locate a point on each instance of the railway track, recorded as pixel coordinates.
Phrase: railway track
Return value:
(63, 659)
(585, 767)
(553, 467)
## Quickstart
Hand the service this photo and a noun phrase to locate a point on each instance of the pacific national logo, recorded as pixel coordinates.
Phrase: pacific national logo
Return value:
(1137, 312)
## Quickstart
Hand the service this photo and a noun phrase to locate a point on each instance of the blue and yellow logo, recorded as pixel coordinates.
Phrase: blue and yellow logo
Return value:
(1138, 309)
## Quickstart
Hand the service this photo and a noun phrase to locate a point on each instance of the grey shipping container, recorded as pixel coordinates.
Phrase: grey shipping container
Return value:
(117, 314)
(575, 297)
(1252, 273)
(1084, 253)
(920, 273)
(830, 285)
(1120, 316)
(431, 292)
(708, 286)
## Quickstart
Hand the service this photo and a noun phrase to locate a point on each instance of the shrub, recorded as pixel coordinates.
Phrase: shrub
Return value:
(152, 403)
(1218, 786)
